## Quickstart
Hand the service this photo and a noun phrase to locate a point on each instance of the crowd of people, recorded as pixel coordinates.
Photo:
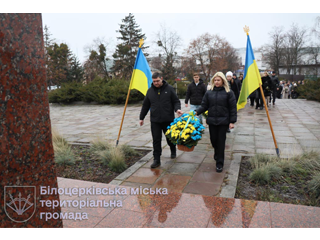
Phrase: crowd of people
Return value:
(219, 98)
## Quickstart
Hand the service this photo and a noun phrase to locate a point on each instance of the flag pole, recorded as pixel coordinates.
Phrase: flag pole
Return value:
(267, 111)
(246, 30)
(125, 107)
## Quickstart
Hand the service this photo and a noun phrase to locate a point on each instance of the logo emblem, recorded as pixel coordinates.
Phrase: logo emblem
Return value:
(19, 202)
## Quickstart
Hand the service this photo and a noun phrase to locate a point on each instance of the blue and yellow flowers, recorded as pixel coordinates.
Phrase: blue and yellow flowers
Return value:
(185, 130)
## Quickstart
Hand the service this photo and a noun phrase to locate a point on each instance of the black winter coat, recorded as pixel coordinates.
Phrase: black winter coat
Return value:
(162, 102)
(221, 106)
(234, 87)
(275, 83)
(267, 85)
(195, 93)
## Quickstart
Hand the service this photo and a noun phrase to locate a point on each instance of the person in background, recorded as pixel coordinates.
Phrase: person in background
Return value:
(279, 90)
(195, 93)
(233, 86)
(222, 114)
(290, 89)
(275, 87)
(241, 78)
(237, 81)
(266, 86)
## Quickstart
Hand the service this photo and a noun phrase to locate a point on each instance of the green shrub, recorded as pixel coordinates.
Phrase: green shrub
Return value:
(64, 156)
(100, 90)
(310, 90)
(67, 93)
(128, 151)
(310, 161)
(275, 172)
(314, 184)
(260, 175)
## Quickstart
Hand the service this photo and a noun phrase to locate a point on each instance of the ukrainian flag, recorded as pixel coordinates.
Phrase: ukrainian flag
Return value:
(141, 77)
(251, 76)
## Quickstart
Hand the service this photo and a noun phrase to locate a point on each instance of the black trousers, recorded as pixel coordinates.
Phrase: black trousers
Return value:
(274, 95)
(156, 131)
(218, 141)
(252, 100)
(259, 101)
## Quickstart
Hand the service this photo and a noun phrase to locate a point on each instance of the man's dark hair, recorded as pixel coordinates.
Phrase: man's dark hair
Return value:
(156, 75)
(241, 74)
(273, 72)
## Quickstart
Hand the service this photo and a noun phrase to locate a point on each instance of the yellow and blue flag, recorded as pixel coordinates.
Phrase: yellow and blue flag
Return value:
(141, 77)
(251, 76)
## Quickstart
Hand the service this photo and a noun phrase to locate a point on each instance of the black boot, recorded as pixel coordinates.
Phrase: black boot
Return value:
(219, 167)
(173, 152)
(156, 163)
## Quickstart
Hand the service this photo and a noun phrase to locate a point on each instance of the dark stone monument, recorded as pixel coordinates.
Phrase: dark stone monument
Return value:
(26, 152)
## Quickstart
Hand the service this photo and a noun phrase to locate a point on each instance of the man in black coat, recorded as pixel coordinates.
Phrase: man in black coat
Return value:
(195, 93)
(275, 87)
(162, 101)
(237, 81)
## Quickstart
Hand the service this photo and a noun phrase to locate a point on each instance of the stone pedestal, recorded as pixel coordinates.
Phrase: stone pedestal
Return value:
(26, 152)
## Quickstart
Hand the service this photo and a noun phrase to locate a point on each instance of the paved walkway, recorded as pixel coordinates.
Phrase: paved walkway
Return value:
(295, 123)
(195, 189)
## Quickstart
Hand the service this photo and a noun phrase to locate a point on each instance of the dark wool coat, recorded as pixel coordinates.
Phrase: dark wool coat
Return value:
(267, 85)
(221, 106)
(162, 102)
(195, 93)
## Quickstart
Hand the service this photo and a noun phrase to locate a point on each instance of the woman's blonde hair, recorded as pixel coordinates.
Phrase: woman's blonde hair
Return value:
(224, 80)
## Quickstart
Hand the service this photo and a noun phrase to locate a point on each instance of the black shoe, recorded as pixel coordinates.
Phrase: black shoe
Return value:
(261, 108)
(173, 155)
(219, 169)
(156, 163)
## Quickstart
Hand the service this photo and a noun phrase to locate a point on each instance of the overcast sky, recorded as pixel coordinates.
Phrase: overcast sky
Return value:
(89, 20)
(78, 30)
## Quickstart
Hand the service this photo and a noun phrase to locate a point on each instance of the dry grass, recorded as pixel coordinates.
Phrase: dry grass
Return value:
(267, 168)
(98, 144)
(128, 151)
(62, 150)
(114, 158)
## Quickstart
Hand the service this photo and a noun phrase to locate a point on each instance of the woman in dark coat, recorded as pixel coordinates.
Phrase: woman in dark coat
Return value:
(266, 86)
(221, 104)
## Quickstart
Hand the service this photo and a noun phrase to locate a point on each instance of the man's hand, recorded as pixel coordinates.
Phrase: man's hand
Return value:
(179, 112)
(141, 122)
(231, 126)
(186, 104)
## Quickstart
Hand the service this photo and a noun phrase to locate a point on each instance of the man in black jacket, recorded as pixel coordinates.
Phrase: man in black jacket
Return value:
(195, 93)
(275, 87)
(162, 101)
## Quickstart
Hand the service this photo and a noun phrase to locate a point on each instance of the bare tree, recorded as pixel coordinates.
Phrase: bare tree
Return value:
(274, 52)
(213, 53)
(168, 41)
(294, 44)
(96, 63)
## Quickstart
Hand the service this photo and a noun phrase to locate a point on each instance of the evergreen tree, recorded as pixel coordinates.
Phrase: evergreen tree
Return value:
(76, 71)
(47, 45)
(98, 61)
(59, 63)
(126, 51)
